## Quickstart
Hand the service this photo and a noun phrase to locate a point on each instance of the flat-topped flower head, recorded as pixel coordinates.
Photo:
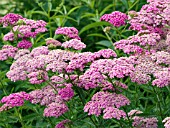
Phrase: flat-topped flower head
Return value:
(75, 44)
(116, 18)
(70, 32)
(14, 99)
(10, 19)
(25, 44)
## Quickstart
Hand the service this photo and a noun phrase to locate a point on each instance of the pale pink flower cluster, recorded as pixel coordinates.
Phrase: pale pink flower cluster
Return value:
(8, 51)
(141, 122)
(116, 18)
(167, 122)
(75, 44)
(70, 32)
(140, 43)
(50, 42)
(14, 99)
(110, 102)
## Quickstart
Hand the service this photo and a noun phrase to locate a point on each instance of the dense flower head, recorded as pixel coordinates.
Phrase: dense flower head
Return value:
(8, 51)
(14, 99)
(105, 53)
(106, 100)
(25, 44)
(162, 77)
(79, 60)
(50, 42)
(153, 17)
(119, 68)
(55, 109)
(10, 19)
(39, 51)
(29, 28)
(145, 122)
(140, 43)
(38, 77)
(112, 112)
(75, 44)
(62, 124)
(70, 32)
(21, 53)
(66, 93)
(90, 79)
(167, 122)
(116, 18)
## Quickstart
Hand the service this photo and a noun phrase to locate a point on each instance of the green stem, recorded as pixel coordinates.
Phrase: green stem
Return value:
(159, 102)
(130, 125)
(19, 117)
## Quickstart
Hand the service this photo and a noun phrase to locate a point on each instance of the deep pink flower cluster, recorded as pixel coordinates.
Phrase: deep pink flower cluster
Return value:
(24, 44)
(110, 102)
(10, 19)
(167, 122)
(116, 18)
(70, 32)
(14, 99)
(8, 51)
(153, 16)
(62, 124)
(75, 44)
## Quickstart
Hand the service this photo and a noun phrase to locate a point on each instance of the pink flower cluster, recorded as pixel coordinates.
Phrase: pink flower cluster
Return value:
(167, 122)
(62, 124)
(110, 102)
(140, 43)
(7, 51)
(14, 99)
(152, 17)
(24, 44)
(50, 42)
(70, 32)
(10, 19)
(142, 122)
(75, 44)
(116, 18)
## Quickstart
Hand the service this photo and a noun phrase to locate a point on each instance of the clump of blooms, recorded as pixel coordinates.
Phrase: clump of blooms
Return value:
(116, 18)
(140, 43)
(75, 44)
(153, 17)
(14, 99)
(167, 122)
(28, 29)
(21, 53)
(142, 122)
(8, 51)
(25, 44)
(10, 19)
(110, 102)
(62, 124)
(50, 42)
(70, 32)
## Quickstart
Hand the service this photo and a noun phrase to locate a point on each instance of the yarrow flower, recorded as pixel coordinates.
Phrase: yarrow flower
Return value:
(25, 44)
(8, 51)
(10, 19)
(70, 32)
(110, 102)
(116, 18)
(14, 99)
(75, 44)
(52, 43)
(167, 122)
(142, 122)
(62, 124)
